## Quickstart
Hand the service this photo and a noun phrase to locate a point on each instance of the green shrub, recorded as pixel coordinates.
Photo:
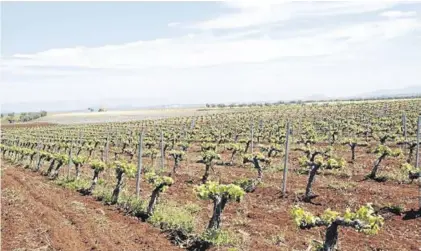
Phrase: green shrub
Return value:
(72, 183)
(169, 215)
(219, 237)
(132, 204)
(101, 193)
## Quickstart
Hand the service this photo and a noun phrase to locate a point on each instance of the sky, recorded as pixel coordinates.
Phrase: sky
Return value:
(206, 52)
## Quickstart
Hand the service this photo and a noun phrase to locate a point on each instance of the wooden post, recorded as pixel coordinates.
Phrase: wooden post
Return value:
(106, 147)
(417, 160)
(284, 181)
(70, 160)
(162, 152)
(192, 123)
(38, 153)
(139, 164)
(252, 131)
(404, 125)
(366, 133)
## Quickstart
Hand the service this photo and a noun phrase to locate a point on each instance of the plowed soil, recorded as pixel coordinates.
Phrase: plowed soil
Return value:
(39, 215)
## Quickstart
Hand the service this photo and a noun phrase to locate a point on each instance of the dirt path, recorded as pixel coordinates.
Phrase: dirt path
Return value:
(38, 215)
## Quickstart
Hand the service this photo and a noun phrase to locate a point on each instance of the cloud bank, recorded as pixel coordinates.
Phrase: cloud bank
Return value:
(249, 51)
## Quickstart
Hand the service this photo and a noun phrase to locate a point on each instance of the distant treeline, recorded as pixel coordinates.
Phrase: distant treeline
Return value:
(23, 116)
(261, 104)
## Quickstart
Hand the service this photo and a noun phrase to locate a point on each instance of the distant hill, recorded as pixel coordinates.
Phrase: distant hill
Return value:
(145, 103)
(317, 97)
(406, 91)
(83, 105)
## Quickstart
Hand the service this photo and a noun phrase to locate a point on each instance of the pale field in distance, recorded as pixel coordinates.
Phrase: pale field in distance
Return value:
(122, 116)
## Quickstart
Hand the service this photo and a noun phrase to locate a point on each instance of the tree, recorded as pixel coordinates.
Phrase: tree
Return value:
(183, 145)
(160, 184)
(353, 143)
(78, 161)
(256, 159)
(98, 167)
(61, 159)
(220, 195)
(382, 137)
(411, 146)
(412, 172)
(363, 220)
(207, 158)
(247, 142)
(382, 152)
(52, 164)
(31, 153)
(207, 146)
(234, 148)
(122, 168)
(177, 156)
(315, 160)
(272, 149)
(152, 153)
(43, 155)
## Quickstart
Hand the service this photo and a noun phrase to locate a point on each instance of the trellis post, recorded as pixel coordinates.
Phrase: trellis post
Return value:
(284, 179)
(139, 164)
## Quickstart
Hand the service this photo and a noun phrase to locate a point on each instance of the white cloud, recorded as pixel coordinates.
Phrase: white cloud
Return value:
(266, 58)
(253, 13)
(173, 24)
(203, 49)
(397, 14)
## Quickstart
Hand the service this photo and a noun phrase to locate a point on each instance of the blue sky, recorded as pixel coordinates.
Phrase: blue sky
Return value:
(197, 52)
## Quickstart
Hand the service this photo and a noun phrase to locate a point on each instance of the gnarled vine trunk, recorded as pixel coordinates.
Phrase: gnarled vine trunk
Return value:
(331, 237)
(50, 168)
(54, 173)
(154, 199)
(176, 164)
(376, 167)
(311, 178)
(40, 160)
(218, 206)
(353, 146)
(206, 175)
(94, 182)
(247, 146)
(259, 170)
(117, 189)
(77, 168)
(232, 157)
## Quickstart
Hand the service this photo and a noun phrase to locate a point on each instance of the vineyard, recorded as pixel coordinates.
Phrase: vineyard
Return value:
(320, 176)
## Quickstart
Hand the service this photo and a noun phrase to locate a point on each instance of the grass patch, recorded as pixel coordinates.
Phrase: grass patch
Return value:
(397, 175)
(103, 194)
(278, 239)
(220, 237)
(73, 184)
(169, 215)
(133, 205)
(341, 185)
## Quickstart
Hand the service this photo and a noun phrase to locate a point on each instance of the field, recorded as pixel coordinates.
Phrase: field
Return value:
(212, 180)
(122, 116)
